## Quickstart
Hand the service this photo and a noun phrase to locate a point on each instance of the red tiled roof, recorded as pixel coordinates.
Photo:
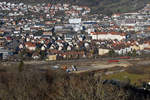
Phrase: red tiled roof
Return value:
(146, 48)
(30, 44)
(8, 38)
(113, 33)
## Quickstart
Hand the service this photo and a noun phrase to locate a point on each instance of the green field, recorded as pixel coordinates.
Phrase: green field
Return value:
(136, 75)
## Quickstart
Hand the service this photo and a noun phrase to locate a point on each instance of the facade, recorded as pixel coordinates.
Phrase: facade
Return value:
(106, 36)
(51, 57)
(4, 54)
(102, 52)
(75, 20)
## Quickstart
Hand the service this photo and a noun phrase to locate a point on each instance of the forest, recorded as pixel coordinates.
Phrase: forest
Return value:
(22, 82)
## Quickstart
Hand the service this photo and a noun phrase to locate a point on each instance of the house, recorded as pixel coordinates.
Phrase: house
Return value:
(108, 36)
(73, 54)
(21, 46)
(47, 33)
(51, 57)
(135, 47)
(50, 22)
(36, 56)
(102, 52)
(2, 41)
(146, 45)
(68, 37)
(75, 20)
(43, 48)
(121, 51)
(30, 46)
(69, 48)
(4, 54)
(37, 36)
(8, 39)
(115, 15)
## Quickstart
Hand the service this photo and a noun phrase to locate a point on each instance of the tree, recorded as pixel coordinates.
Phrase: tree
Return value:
(111, 53)
(20, 67)
(129, 54)
(134, 53)
(43, 54)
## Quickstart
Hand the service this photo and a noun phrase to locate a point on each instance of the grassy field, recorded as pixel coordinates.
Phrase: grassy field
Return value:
(134, 78)
(134, 74)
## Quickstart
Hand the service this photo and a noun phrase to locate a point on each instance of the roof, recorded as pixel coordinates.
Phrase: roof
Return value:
(30, 44)
(112, 33)
(73, 53)
(3, 50)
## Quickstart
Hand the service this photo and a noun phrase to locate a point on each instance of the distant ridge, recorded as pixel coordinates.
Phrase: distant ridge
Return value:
(98, 6)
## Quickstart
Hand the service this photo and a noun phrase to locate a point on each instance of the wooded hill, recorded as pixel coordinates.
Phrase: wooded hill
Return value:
(98, 6)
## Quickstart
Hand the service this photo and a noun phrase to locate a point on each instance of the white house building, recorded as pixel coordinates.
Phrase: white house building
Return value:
(107, 36)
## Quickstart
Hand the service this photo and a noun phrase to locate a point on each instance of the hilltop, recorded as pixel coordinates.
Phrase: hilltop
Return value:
(98, 6)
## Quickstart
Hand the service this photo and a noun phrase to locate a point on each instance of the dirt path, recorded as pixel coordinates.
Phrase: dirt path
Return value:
(84, 65)
(102, 65)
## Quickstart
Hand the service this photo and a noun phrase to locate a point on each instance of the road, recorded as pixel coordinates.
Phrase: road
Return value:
(84, 65)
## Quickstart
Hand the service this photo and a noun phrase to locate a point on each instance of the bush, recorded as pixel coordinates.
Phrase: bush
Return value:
(20, 67)
(56, 85)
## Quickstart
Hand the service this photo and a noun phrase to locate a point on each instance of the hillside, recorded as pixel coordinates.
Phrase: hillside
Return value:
(36, 84)
(98, 6)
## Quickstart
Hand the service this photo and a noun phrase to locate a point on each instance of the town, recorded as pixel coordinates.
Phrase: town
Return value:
(64, 31)
(67, 51)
